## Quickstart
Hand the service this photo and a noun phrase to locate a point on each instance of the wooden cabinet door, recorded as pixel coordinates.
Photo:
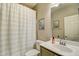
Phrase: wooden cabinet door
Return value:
(45, 52)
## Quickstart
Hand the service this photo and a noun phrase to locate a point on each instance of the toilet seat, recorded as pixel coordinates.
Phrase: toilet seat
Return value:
(32, 52)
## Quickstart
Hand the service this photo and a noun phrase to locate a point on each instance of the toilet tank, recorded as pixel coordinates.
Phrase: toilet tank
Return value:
(38, 42)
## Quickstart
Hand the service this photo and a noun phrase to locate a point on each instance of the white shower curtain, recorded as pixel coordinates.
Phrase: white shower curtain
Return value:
(23, 28)
(14, 30)
(17, 29)
(5, 9)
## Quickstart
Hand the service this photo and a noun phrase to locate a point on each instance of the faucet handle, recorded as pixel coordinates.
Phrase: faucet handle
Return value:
(60, 42)
(64, 44)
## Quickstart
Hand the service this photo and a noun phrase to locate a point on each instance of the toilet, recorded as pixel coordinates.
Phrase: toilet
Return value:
(35, 52)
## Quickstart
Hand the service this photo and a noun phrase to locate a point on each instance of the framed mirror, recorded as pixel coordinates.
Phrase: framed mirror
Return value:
(42, 24)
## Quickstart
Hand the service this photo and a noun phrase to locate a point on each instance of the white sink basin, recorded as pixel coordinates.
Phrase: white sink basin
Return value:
(58, 47)
(63, 48)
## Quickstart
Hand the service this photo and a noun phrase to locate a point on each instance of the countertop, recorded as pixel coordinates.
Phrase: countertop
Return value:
(48, 45)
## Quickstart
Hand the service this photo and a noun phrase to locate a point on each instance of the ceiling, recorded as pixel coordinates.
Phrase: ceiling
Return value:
(31, 5)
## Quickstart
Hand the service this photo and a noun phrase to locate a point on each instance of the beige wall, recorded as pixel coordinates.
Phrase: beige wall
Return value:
(44, 11)
(60, 14)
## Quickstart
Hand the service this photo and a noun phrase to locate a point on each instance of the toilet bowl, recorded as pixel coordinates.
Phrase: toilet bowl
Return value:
(34, 52)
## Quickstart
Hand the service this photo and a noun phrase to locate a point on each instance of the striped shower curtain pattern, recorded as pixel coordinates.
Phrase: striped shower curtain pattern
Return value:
(17, 29)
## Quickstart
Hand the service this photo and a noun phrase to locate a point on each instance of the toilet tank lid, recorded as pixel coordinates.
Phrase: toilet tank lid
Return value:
(39, 41)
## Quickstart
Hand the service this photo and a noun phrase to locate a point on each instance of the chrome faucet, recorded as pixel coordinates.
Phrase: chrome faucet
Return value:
(63, 42)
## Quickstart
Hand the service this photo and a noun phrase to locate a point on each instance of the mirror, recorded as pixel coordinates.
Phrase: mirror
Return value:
(65, 21)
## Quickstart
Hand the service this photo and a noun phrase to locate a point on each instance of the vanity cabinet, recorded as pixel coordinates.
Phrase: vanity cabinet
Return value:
(47, 52)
